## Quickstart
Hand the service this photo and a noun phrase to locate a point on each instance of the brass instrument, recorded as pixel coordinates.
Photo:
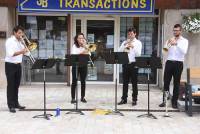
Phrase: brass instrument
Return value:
(169, 43)
(90, 48)
(128, 42)
(30, 46)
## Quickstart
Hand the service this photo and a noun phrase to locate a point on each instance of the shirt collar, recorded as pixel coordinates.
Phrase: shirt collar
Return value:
(14, 38)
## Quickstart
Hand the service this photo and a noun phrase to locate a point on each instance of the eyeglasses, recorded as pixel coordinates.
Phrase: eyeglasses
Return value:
(176, 30)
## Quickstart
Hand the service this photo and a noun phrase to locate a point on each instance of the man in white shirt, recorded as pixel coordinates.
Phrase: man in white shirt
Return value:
(176, 50)
(134, 48)
(14, 53)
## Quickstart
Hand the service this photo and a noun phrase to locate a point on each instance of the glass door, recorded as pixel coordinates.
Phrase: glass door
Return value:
(99, 31)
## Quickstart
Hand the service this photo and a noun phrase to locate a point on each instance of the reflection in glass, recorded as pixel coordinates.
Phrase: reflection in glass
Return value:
(101, 33)
(50, 32)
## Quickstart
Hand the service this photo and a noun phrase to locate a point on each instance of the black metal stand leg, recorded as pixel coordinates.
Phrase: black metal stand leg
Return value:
(45, 115)
(116, 111)
(76, 110)
(149, 115)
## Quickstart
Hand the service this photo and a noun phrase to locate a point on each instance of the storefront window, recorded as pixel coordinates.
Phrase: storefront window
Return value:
(101, 34)
(50, 33)
(147, 33)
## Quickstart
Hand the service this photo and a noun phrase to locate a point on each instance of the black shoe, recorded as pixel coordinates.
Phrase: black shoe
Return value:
(134, 103)
(122, 102)
(174, 105)
(20, 107)
(73, 101)
(12, 110)
(162, 105)
(83, 100)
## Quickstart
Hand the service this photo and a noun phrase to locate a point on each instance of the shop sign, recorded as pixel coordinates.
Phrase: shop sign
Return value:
(88, 6)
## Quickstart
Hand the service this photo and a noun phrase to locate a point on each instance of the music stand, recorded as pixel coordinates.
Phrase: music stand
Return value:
(116, 58)
(44, 64)
(76, 60)
(148, 63)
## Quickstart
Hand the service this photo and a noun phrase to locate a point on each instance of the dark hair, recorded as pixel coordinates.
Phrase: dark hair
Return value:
(178, 26)
(76, 37)
(17, 28)
(132, 29)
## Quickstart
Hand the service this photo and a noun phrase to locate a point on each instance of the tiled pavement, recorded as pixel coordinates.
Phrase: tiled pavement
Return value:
(98, 96)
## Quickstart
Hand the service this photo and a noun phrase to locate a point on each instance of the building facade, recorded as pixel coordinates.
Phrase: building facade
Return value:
(54, 32)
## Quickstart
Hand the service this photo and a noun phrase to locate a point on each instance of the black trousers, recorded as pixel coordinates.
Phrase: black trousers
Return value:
(13, 75)
(173, 69)
(82, 72)
(130, 72)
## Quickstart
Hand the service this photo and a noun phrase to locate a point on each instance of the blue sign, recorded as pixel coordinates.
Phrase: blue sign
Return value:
(88, 6)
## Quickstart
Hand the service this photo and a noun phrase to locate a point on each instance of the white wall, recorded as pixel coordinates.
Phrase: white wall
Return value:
(7, 16)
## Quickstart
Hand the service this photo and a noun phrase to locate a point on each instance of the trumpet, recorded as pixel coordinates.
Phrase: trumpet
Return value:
(128, 42)
(169, 43)
(30, 46)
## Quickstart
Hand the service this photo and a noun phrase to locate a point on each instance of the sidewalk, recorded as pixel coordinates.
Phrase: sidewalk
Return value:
(98, 96)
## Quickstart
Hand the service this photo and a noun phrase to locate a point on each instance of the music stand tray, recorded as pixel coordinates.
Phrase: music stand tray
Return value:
(77, 60)
(44, 64)
(148, 63)
(116, 58)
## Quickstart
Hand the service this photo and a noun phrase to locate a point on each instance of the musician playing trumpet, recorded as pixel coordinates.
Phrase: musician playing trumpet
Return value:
(174, 64)
(134, 48)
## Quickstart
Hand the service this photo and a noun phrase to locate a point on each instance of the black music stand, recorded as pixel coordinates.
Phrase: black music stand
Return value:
(44, 64)
(116, 58)
(148, 63)
(76, 60)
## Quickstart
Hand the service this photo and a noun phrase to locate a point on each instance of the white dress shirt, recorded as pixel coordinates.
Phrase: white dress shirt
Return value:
(78, 50)
(135, 51)
(177, 52)
(13, 46)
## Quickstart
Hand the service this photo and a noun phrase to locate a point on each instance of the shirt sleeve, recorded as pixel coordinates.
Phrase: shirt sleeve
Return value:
(183, 46)
(121, 48)
(9, 48)
(138, 49)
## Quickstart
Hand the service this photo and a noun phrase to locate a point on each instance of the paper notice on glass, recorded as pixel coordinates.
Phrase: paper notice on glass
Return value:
(42, 34)
(42, 53)
(49, 25)
(34, 34)
(59, 53)
(49, 44)
(49, 54)
(90, 38)
(42, 44)
(63, 35)
(34, 53)
(110, 41)
(31, 19)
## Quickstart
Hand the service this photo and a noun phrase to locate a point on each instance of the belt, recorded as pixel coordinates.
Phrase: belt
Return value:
(131, 62)
(16, 63)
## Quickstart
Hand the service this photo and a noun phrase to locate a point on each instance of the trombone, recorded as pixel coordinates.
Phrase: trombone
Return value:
(90, 48)
(30, 46)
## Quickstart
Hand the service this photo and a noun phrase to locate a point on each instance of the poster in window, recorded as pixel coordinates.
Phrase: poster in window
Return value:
(49, 25)
(34, 34)
(110, 41)
(90, 38)
(42, 34)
